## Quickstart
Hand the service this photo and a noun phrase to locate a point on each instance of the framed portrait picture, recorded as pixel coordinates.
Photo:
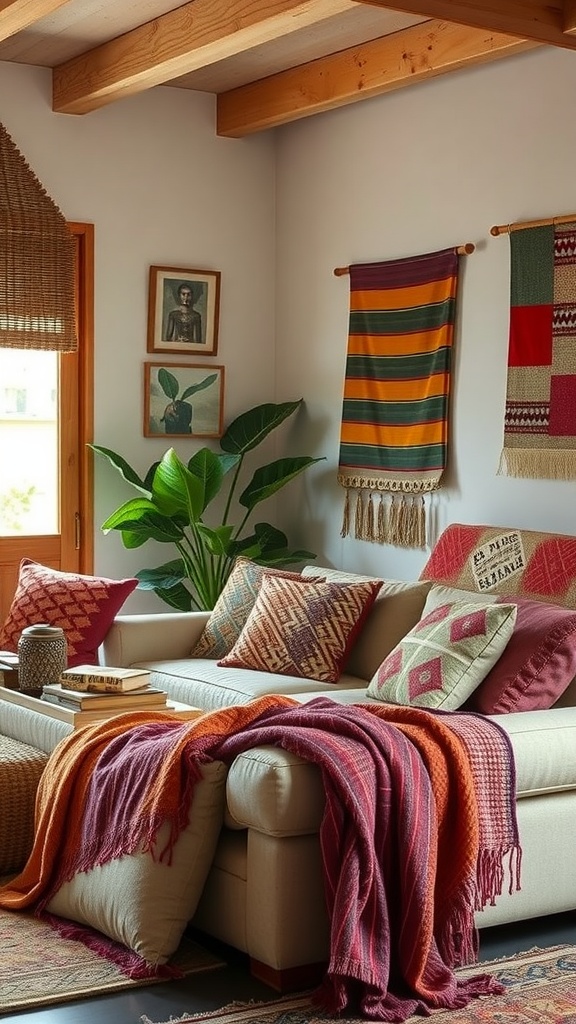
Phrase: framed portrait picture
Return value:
(183, 310)
(183, 399)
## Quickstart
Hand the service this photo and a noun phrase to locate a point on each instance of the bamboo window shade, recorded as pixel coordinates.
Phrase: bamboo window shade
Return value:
(37, 252)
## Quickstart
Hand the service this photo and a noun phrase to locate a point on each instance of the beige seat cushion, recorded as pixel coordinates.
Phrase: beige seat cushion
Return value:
(207, 685)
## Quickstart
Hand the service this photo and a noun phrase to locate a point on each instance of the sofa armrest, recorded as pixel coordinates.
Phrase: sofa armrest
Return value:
(164, 637)
(274, 791)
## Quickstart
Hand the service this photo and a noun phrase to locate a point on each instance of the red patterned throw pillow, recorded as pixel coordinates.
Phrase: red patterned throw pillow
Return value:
(302, 628)
(83, 606)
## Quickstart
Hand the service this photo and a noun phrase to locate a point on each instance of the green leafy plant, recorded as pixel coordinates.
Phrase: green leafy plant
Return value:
(174, 497)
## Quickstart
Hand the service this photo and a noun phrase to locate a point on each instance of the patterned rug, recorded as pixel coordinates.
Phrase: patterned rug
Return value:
(39, 968)
(540, 989)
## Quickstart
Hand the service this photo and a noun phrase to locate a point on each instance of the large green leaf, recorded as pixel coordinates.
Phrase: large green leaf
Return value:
(167, 575)
(123, 467)
(176, 597)
(227, 462)
(216, 540)
(269, 479)
(140, 516)
(176, 490)
(168, 383)
(208, 469)
(269, 546)
(133, 540)
(249, 430)
(199, 387)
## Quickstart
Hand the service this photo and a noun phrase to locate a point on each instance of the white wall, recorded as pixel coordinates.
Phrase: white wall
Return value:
(413, 172)
(161, 189)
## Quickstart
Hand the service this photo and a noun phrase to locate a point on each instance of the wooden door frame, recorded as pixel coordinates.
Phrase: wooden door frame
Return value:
(79, 543)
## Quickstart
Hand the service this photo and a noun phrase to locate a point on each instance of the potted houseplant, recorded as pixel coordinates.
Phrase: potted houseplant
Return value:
(174, 497)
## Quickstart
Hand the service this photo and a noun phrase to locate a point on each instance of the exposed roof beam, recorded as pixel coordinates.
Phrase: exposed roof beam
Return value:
(423, 51)
(16, 15)
(528, 19)
(193, 36)
(569, 17)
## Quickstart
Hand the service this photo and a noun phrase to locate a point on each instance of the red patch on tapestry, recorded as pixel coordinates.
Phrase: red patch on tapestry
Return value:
(530, 336)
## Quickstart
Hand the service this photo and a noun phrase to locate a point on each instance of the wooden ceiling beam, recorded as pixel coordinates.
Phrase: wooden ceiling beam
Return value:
(569, 17)
(16, 15)
(195, 35)
(541, 21)
(424, 51)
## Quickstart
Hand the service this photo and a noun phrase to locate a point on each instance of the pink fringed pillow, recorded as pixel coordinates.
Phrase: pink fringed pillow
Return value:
(302, 628)
(83, 606)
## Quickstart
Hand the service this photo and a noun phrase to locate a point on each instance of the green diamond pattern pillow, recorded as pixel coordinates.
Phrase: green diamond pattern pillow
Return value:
(442, 660)
(302, 627)
(233, 607)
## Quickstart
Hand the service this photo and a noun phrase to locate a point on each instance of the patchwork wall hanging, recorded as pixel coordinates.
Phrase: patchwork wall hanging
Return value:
(394, 433)
(540, 413)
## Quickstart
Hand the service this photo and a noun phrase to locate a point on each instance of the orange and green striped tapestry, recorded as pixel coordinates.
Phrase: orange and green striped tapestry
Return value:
(540, 417)
(394, 433)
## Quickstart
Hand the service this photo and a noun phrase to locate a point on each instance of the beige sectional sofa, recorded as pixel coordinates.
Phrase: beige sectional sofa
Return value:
(264, 893)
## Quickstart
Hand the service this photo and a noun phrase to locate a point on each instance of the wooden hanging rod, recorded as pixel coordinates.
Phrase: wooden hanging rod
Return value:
(505, 229)
(462, 250)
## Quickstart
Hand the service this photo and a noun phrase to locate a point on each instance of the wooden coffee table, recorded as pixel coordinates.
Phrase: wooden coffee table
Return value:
(80, 718)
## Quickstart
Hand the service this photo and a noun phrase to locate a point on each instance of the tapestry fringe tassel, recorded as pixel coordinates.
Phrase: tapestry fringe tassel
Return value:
(538, 464)
(401, 523)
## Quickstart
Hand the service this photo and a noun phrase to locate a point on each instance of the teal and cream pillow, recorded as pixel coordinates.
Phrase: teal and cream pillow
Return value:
(302, 627)
(442, 660)
(233, 607)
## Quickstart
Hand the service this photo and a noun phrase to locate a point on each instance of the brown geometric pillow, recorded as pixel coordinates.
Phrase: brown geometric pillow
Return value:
(233, 607)
(83, 606)
(302, 627)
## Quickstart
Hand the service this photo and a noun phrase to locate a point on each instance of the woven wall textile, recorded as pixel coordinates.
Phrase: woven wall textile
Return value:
(37, 251)
(394, 432)
(540, 417)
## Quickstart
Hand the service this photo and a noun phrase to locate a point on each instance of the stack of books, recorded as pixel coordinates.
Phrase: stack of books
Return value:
(98, 691)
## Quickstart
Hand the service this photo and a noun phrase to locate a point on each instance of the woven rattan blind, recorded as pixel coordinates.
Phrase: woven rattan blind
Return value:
(37, 300)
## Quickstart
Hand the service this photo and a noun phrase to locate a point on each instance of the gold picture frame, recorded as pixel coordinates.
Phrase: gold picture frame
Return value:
(183, 310)
(183, 400)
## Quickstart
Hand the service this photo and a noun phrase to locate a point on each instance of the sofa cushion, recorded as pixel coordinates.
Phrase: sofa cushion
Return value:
(302, 627)
(208, 685)
(539, 661)
(398, 607)
(233, 608)
(445, 656)
(162, 896)
(83, 606)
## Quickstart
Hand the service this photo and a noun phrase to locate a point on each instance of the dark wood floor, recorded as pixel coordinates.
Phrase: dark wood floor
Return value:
(209, 991)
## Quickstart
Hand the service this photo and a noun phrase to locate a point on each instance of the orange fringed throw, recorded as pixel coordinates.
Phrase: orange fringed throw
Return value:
(64, 786)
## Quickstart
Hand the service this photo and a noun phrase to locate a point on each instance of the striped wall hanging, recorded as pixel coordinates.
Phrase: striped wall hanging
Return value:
(394, 432)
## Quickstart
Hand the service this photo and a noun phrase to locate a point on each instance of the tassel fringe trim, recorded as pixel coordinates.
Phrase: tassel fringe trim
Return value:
(402, 522)
(538, 463)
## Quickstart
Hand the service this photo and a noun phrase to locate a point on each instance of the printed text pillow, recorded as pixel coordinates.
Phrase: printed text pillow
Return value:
(233, 608)
(83, 606)
(301, 627)
(445, 656)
